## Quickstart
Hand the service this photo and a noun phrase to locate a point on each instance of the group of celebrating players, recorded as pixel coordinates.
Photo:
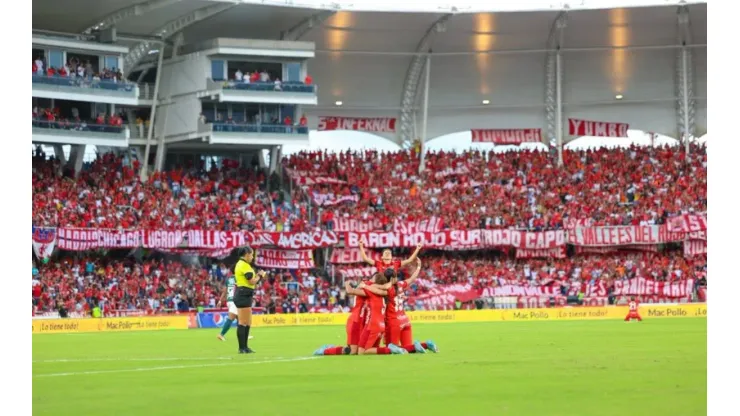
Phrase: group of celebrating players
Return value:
(378, 313)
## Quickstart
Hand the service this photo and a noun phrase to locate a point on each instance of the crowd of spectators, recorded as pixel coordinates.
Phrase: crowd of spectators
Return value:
(524, 190)
(53, 118)
(107, 193)
(77, 284)
(77, 69)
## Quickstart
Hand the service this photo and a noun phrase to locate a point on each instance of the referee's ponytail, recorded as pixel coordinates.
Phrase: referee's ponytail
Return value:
(243, 251)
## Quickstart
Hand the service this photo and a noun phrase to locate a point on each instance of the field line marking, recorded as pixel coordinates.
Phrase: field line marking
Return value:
(99, 360)
(173, 367)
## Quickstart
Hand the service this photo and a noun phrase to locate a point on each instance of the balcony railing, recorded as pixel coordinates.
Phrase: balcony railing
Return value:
(258, 128)
(85, 83)
(288, 86)
(77, 127)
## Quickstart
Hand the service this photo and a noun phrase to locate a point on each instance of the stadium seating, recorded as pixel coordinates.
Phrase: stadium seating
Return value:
(523, 190)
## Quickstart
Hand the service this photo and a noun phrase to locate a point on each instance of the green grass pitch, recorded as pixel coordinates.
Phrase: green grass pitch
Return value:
(657, 367)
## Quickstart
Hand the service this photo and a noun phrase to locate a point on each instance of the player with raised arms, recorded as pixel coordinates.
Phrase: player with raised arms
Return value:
(398, 326)
(387, 261)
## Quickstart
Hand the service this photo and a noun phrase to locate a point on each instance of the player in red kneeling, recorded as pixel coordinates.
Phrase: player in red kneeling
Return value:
(375, 320)
(634, 313)
(398, 326)
(357, 318)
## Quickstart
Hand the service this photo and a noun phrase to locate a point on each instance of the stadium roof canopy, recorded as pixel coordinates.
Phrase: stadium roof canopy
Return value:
(370, 58)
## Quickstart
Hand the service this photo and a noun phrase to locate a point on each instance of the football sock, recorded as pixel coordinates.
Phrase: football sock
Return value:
(246, 335)
(410, 349)
(241, 335)
(383, 351)
(424, 345)
(226, 327)
(334, 351)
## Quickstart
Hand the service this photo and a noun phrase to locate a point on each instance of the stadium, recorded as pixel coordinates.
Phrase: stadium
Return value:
(234, 202)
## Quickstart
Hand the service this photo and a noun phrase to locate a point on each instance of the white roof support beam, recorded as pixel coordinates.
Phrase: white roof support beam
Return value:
(172, 28)
(411, 83)
(686, 106)
(128, 12)
(306, 25)
(554, 45)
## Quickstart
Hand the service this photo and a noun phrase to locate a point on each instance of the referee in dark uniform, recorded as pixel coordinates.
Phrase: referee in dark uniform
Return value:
(246, 280)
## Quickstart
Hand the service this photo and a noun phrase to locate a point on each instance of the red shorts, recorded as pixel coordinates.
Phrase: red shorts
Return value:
(370, 338)
(633, 314)
(398, 334)
(354, 330)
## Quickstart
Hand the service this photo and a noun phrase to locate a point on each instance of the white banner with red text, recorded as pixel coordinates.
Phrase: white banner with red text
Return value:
(356, 225)
(506, 136)
(370, 124)
(79, 239)
(623, 235)
(687, 223)
(357, 272)
(460, 240)
(351, 255)
(284, 259)
(329, 199)
(578, 127)
(431, 224)
(693, 248)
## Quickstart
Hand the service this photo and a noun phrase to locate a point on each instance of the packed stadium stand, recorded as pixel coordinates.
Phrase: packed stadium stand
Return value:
(144, 126)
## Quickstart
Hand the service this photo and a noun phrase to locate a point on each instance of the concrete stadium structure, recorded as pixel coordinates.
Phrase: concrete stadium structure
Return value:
(534, 68)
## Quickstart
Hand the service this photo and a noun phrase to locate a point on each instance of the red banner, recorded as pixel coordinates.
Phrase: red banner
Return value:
(687, 223)
(284, 259)
(506, 136)
(79, 239)
(626, 235)
(329, 200)
(358, 272)
(652, 287)
(426, 225)
(556, 252)
(693, 248)
(460, 239)
(519, 290)
(374, 124)
(431, 224)
(355, 225)
(445, 296)
(652, 248)
(596, 128)
(351, 255)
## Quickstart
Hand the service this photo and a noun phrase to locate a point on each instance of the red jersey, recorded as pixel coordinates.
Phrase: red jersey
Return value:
(395, 312)
(633, 306)
(358, 312)
(381, 265)
(375, 318)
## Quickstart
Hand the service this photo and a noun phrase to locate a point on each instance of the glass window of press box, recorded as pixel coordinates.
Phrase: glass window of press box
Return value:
(222, 70)
(241, 113)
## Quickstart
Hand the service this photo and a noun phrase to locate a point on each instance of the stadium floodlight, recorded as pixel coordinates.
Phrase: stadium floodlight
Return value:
(619, 96)
(486, 102)
(338, 103)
